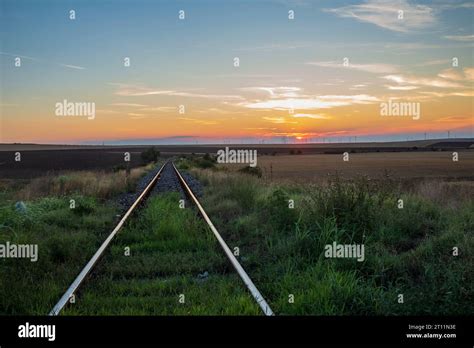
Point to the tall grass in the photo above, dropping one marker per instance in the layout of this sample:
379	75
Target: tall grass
99	184
407	251
66	239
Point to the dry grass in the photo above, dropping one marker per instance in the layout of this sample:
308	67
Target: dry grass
449	194
99	184
432	175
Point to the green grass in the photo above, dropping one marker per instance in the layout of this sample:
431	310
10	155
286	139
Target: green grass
169	249
66	239
407	251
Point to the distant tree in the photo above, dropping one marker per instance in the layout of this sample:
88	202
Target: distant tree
150	155
207	161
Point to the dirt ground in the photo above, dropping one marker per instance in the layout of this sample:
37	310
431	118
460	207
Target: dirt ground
398	165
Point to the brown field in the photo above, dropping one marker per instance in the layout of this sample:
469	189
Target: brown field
410	159
305	148
403	165
42	162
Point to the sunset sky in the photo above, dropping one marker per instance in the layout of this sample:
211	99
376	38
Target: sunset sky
291	86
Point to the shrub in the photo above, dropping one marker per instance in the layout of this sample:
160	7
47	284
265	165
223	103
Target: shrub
204	163
257	171
150	155
352	204
84	205
276	206
119	167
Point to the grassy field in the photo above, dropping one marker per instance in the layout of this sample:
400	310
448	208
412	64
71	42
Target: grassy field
408	251
66	237
172	253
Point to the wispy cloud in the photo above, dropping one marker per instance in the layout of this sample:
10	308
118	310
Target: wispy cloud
358	87
275	47
247	76
19	55
435	62
128	105
409	46
451	74
292	98
144	107
199	121
219	111
76	67
384	13
106	112
469	73
309	103
128	90
372	68
466	93
401	88
136	116
275	92
422	81
454	118
453	5
72	66
278	120
160	109
313	116
463	38
448	78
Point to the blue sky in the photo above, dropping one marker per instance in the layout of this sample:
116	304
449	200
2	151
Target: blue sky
189	62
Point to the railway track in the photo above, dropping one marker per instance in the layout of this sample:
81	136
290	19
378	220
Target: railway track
81	277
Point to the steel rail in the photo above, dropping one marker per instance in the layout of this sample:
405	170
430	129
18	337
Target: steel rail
246	279
85	271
